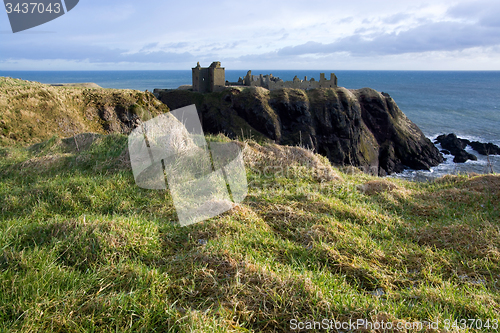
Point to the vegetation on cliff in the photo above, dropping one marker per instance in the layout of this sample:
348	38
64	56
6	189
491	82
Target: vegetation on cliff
32	112
361	127
84	249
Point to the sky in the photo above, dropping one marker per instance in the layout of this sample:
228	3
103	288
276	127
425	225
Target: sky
261	34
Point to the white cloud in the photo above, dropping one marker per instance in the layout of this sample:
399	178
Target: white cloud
276	34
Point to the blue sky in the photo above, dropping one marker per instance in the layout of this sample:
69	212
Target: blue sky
316	34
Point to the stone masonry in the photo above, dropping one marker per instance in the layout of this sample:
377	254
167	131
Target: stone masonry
213	78
209	79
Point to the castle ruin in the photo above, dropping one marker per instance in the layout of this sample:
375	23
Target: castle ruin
209	79
213	79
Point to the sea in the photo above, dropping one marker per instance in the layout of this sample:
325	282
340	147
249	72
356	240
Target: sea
466	103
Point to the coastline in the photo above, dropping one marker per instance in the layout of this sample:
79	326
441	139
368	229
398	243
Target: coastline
482	166
77	85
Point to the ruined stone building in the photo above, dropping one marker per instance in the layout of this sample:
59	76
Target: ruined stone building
213	78
209	79
270	82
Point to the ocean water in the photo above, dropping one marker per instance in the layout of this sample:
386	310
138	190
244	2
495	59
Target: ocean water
466	103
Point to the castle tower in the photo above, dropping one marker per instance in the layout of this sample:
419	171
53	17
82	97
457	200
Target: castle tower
200	79
209	79
333	79
217	76
248	79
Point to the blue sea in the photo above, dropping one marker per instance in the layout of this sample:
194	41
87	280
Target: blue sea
463	102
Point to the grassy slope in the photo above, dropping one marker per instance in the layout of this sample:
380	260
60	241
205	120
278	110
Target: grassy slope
83	249
32	112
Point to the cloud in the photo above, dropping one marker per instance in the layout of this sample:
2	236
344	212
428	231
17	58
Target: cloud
225	46
299	34
178	45
149	46
436	36
94	54
347	20
285	36
485	13
396	18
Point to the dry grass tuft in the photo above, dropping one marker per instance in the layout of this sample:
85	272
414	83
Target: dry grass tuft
123	161
288	161
289	222
486	183
377	186
243	213
461	238
351	170
43	163
247	293
78	143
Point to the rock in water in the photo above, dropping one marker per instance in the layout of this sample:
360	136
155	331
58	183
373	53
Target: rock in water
452	143
462	156
485	148
363	128
456	147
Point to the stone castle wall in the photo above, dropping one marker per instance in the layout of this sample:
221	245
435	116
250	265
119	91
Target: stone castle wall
213	79
270	82
217	76
209	79
305	84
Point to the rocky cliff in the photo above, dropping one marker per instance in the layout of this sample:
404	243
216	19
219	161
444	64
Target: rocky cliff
361	127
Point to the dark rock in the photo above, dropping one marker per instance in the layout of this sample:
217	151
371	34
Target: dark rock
485	148
440	138
465	142
363	128
455	146
451	143
462	156
446	152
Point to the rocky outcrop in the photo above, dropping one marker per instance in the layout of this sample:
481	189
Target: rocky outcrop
456	146
362	127
485	148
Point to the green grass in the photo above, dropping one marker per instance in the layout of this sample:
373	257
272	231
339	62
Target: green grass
82	249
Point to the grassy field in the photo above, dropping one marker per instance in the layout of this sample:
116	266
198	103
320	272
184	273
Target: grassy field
82	249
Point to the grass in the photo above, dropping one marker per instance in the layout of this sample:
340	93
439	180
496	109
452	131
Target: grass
83	249
31	112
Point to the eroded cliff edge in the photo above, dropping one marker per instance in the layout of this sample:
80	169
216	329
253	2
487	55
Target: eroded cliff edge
363	127
31	112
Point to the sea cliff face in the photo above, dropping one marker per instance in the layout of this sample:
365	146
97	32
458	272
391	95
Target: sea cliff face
364	128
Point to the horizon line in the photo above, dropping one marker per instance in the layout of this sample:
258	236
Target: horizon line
326	70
